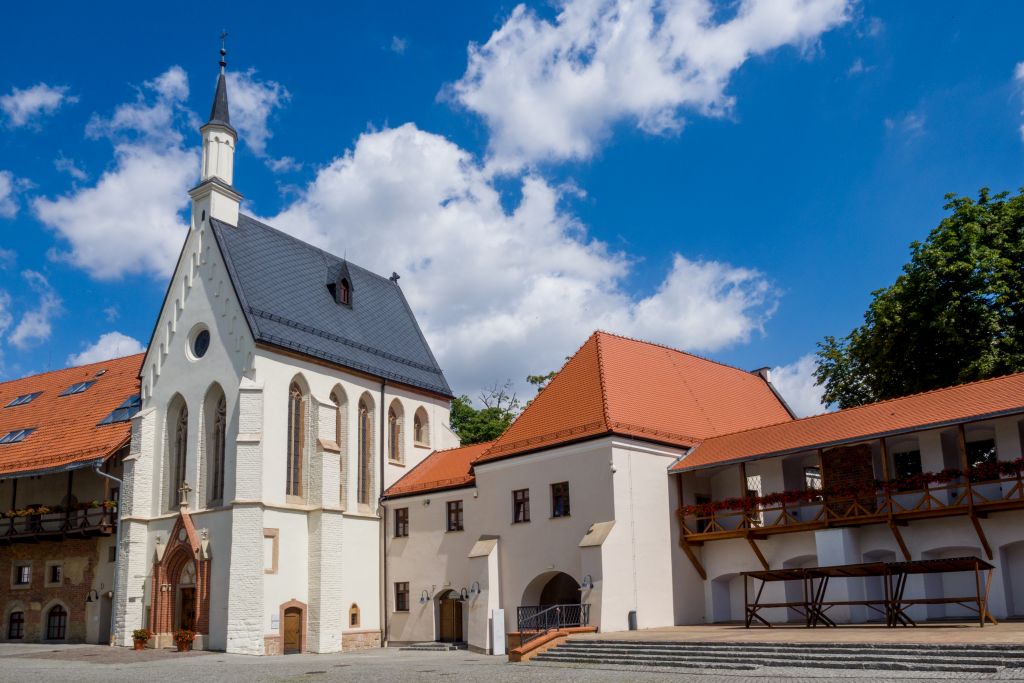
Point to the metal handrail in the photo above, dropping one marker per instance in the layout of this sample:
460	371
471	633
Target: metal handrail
533	621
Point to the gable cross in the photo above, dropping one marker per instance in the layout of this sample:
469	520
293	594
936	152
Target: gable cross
183	492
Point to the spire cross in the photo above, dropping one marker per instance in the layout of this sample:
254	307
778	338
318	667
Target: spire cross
223	50
183	492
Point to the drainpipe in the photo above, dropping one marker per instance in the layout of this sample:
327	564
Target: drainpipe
117	552
383	529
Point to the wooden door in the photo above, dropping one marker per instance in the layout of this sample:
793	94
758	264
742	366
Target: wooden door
292	628
187	614
451	620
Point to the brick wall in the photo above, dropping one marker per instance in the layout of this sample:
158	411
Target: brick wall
849	465
79	559
360	640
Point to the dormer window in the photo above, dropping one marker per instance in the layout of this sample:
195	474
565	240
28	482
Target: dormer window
76	388
344	292
23	399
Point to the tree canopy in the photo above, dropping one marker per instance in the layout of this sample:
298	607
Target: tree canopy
955	314
475	425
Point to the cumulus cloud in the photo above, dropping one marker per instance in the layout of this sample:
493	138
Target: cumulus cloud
796	384
137	204
65	165
551	90
498	289
24	107
109	345
252	102
35	325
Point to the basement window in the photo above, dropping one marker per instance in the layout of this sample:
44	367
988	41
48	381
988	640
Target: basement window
23	399
76	388
17	436
124	412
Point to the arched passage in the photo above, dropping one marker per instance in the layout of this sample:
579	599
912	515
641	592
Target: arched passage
552	588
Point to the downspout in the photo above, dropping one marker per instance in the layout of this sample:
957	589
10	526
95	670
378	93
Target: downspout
117	553
383	530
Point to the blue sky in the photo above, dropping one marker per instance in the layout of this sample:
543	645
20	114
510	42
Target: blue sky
720	178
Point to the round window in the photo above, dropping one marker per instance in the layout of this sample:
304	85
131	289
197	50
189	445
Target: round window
201	343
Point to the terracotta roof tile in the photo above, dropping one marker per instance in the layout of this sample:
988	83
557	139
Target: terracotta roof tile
66	427
445	469
909	413
616	385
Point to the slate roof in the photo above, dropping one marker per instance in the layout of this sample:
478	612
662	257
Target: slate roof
617	385
219	111
67	431
281	283
931	409
439	471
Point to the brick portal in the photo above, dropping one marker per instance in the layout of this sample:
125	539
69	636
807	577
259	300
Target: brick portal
184	551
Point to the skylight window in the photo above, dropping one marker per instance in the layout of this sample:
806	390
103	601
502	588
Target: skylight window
123	412
76	388
16	436
23	399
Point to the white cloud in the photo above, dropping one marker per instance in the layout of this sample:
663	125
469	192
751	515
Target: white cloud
858	67
137	204
909	125
796	384
283	165
65	165
1018	76
111	313
503	293
552	90
35	325
23	106
109	345
8	205
5	311
7	259
398	45
252	102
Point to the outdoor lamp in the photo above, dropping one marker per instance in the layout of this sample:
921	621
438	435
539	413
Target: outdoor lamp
474	589
464	594
587	583
92	596
424	598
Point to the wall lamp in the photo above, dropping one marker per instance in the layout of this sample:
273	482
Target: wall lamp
464	594
474	589
92	596
424	597
587	583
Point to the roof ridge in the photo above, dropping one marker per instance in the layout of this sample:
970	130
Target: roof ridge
674	349
71	367
847	411
600	378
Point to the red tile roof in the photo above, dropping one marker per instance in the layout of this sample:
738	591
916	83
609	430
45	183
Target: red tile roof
440	470
977	400
67	432
616	385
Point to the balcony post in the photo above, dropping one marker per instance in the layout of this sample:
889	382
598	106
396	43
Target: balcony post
743	494
965	465
67	506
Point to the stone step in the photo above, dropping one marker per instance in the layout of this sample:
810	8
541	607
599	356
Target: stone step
1007	656
433	647
844	659
749	663
860	647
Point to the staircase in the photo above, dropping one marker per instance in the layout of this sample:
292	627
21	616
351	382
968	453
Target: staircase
953	658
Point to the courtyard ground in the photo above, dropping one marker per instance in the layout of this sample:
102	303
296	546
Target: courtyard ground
100	664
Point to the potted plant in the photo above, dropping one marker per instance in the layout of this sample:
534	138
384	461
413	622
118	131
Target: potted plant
183	639
140	637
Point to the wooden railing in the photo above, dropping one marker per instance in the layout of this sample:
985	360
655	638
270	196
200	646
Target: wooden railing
933	500
88	522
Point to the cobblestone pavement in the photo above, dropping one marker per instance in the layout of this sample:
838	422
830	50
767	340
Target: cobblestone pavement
94	663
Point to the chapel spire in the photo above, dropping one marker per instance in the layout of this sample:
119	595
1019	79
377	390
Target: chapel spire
215	197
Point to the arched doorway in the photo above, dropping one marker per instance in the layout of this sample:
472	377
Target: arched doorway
449	617
185	607
181	580
561	589
291	631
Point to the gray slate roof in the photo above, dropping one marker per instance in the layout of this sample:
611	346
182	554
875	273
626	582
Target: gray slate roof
219	111
281	284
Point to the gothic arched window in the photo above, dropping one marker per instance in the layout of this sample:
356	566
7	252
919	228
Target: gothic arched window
296	417
420	428
394	435
365	453
56	623
216	451
179	454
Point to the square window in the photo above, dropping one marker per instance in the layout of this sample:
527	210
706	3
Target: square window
54	574
812	478
455	515
520	506
22	574
402	596
401	522
560	499
906	465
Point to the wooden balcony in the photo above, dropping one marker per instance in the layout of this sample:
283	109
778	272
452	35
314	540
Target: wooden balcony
99	521
887	506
